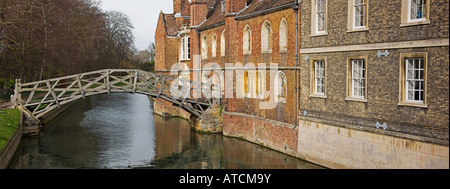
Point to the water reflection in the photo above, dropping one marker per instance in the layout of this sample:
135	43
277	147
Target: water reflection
120	131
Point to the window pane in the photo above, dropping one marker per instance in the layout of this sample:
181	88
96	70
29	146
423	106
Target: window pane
418	9
358	78
410	95
414	79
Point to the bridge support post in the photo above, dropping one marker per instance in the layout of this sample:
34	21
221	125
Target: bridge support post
30	125
211	122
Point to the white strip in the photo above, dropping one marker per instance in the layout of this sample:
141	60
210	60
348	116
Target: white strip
379	46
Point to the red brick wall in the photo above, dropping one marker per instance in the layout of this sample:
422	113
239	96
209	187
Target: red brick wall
276	135
160	46
284	112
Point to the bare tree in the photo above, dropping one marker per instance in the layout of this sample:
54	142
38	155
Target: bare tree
41	39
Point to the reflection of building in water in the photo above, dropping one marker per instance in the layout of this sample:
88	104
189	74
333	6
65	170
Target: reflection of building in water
182	149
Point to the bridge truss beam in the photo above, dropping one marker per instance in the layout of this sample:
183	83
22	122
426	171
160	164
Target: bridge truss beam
40	97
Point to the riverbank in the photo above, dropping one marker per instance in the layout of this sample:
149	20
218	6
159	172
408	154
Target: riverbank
10	135
9	121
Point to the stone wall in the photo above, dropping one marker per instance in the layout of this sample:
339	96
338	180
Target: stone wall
385	32
339	147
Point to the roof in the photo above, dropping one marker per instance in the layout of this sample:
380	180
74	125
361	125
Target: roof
215	16
170	23
257	6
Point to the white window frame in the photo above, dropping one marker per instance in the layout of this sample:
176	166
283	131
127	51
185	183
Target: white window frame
319	66
266	37
214	46
278	92
204	48
358	81
424	17
222	44
364	16
419	78
247	40
283	35
316	20
223	6
185	50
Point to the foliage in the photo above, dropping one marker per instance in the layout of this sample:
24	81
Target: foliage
41	39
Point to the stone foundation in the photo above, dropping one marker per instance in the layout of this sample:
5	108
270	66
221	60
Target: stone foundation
339	147
211	122
167	109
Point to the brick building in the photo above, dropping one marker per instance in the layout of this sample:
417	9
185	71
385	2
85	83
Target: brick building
367	64
372	76
239	32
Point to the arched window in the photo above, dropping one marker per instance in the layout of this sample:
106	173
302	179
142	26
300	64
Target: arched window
280	87
266	37
246	84
204	47
222	44
247	41
259	84
283	35
214	46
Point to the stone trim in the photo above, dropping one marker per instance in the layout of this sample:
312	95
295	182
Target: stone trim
379	46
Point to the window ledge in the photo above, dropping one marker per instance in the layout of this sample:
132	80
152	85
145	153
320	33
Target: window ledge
283	51
412	23
356	99
317	96
319	34
419	105
358	30
267	51
247	53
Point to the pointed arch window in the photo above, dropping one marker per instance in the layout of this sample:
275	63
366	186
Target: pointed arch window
247	40
259	84
222	44
214	46
283	35
246	84
204	47
280	87
266	37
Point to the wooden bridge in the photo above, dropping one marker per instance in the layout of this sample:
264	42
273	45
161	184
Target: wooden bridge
40	97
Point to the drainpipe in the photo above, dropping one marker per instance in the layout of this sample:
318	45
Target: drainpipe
295	6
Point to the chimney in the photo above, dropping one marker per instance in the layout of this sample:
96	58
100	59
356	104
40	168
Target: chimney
199	12
177	6
235	6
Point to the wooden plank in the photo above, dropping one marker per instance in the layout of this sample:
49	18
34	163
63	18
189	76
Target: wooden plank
161	85
31	94
108	85
53	92
135	81
81	87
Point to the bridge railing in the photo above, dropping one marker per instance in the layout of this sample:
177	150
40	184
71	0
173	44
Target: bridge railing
40	97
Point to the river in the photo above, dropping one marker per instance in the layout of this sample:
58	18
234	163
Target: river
120	131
